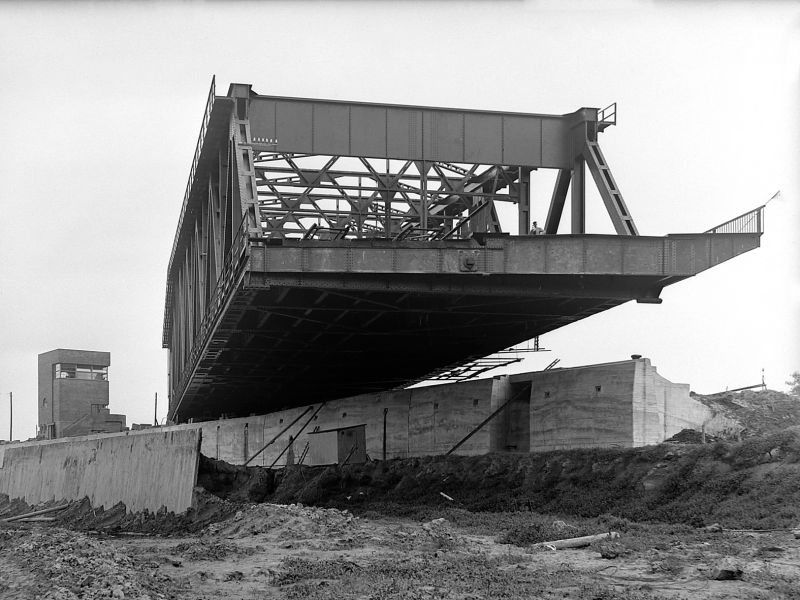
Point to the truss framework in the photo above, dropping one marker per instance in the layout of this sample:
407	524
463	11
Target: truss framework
335	197
297	194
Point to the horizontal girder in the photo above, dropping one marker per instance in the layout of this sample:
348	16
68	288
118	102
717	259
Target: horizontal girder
311	319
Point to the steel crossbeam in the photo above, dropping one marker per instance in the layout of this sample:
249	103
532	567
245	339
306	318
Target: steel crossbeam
376	198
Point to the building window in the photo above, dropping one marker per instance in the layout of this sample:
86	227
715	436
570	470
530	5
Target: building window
547	394
475	402
89	372
65	371
44	402
598	388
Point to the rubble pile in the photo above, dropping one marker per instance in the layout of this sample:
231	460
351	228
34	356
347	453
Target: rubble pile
293	526
206	509
760	412
9	507
68	565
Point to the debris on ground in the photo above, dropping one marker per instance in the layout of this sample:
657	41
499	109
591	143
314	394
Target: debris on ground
726	570
759	412
715	520
578	542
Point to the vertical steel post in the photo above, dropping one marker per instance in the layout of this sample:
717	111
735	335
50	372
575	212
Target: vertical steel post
10	416
247	439
524	201
388	206
155	412
385	411
578	196
423	222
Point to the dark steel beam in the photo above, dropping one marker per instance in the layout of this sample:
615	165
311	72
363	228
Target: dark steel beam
578	200
557	202
298	125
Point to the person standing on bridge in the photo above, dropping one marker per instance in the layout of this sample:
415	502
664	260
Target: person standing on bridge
535	229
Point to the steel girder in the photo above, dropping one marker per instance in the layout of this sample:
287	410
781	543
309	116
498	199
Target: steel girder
330	248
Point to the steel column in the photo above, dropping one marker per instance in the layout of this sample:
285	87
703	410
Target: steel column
578	196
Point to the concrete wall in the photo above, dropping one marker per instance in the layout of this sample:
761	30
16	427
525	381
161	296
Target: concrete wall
619	404
145	470
510	429
582	407
420	421
663	408
680	410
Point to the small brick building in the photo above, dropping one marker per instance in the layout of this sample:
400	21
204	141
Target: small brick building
73	394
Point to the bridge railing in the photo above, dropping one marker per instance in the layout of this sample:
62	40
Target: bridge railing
197	150
608	115
192	172
201	138
234	263
750	222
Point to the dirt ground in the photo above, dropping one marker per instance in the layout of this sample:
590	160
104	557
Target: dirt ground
695	521
292	551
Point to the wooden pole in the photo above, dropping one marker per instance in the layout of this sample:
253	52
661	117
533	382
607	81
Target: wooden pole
487	419
155	412
10	416
349	454
296	435
36	513
284	430
578	542
385	410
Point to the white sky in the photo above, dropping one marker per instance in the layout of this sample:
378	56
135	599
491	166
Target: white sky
100	107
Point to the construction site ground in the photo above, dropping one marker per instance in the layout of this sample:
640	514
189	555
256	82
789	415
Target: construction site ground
695	520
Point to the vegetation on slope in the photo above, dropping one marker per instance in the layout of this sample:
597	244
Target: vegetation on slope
750	484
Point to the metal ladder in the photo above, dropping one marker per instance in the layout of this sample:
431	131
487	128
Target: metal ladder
612	197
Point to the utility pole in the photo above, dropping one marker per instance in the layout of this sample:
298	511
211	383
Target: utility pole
155	412
10	416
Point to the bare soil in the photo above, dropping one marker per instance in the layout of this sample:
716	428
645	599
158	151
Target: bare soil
688	515
291	551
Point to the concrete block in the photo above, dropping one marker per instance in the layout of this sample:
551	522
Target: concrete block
145	469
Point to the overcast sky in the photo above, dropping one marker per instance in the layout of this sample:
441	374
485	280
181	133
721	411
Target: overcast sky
101	105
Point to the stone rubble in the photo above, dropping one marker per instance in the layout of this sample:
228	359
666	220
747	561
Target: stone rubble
69	565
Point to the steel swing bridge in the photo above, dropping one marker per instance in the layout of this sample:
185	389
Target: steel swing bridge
327	249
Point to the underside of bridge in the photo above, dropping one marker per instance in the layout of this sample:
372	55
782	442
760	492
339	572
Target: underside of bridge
327	249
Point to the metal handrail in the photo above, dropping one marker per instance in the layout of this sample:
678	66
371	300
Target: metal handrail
750	222
192	172
197	150
608	115
234	261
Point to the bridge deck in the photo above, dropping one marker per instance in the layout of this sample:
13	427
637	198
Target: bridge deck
308	320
